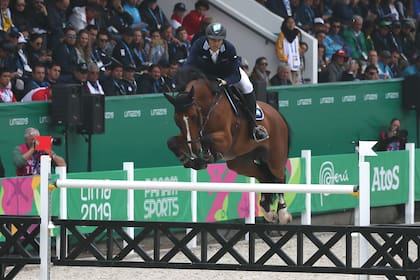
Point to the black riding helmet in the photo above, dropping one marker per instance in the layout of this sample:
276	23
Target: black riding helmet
216	31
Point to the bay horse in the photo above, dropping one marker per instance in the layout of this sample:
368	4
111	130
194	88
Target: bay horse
211	130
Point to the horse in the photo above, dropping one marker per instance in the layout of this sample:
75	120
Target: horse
212	130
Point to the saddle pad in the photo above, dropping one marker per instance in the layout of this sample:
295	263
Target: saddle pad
259	113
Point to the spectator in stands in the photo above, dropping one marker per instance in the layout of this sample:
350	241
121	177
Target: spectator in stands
336	68
260	71
368	28
282	77
393	138
118	19
355	39
57	21
6	93
396	37
81	17
177	15
129	80
245	65
192	21
122	52
322	65
281	8
352	71
412	69
140	57
37	80
343	10
395	65
153	15
66	55
93	33
27	158
287	47
305	15
37	12
93	86
371	72
131	7
151	82
410	40
20	57
53	74
164	70
80	74
170	76
36	54
385	72
113	85
319	26
179	49
334	41
20	17
157	49
381	37
206	22
393	9
101	52
83	48
6	21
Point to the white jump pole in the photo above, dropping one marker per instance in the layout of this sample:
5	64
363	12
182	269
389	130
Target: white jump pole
206	187
306	217
62	172
44	232
194	208
251	200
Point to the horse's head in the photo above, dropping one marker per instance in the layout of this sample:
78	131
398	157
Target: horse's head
188	145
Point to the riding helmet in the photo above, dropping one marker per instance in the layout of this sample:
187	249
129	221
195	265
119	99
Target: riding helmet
216	31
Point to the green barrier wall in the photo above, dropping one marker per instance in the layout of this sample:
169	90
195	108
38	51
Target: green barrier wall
324	118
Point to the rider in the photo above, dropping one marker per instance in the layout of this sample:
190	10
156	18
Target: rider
217	57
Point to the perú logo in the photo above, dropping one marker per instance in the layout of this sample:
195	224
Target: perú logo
328	176
386	179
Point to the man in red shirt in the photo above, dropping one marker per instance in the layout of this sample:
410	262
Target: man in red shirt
192	21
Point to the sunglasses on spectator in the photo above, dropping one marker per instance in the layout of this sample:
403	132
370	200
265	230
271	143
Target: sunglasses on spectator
263	63
71	36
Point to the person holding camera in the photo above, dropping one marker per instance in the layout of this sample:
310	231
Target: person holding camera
393	139
27	158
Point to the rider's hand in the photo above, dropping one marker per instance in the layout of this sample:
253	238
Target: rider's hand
221	82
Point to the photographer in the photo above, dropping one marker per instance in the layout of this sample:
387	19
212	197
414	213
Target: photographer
393	139
27	159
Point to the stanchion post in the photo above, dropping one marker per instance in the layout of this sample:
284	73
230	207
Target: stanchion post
129	168
306	217
410	205
194	215
62	173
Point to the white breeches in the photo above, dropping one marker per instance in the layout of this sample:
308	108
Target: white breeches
244	85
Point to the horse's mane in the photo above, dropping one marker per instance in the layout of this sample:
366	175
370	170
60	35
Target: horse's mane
187	74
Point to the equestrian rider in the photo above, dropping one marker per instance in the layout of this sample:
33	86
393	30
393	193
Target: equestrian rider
217	57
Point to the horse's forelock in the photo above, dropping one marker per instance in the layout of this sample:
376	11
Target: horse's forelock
187	74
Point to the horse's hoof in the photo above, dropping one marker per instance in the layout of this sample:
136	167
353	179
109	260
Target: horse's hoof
284	216
270	216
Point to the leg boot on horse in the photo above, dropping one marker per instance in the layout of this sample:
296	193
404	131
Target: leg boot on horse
259	133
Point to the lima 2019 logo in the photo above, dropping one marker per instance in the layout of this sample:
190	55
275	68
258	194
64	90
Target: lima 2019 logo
328	176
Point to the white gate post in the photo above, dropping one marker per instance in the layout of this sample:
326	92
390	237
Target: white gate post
44	232
62	172
129	168
194	214
306	214
409	206
365	149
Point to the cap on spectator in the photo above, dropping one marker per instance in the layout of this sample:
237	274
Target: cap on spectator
180	7
318	20
385	54
202	3
82	67
341	53
384	23
129	67
21	39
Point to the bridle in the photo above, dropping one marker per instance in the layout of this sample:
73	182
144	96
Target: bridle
201	122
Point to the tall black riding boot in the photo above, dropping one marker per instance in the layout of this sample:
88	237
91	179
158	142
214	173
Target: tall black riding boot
259	133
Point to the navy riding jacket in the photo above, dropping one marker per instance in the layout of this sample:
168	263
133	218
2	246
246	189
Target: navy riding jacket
226	66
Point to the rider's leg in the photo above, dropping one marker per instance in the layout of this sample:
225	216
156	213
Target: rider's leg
258	132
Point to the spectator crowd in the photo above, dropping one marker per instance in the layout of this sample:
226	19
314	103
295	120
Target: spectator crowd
125	47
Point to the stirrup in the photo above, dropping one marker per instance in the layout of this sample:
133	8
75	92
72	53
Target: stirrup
261	132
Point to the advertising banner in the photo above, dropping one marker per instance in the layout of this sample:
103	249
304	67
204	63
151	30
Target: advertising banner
156	205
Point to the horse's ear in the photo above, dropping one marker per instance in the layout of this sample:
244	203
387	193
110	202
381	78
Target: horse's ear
170	98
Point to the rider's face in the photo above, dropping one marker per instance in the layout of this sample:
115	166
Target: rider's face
215	44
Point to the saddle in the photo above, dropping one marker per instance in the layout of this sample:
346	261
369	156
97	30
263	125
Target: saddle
235	101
